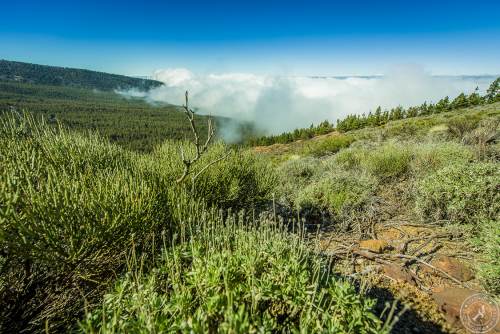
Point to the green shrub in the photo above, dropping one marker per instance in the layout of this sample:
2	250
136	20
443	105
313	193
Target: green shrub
295	175
459	127
240	179
68	199
430	157
461	193
341	194
235	279
488	241
330	145
384	162
349	158
387	162
71	207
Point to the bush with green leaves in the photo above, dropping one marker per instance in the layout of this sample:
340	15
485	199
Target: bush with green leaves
295	175
223	177
459	127
234	277
429	157
384	162
460	193
488	241
72	205
342	194
326	146
68	200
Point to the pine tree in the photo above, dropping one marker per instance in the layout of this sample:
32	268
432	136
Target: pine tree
493	92
460	101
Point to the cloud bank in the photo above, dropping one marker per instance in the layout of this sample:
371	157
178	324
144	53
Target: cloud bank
280	103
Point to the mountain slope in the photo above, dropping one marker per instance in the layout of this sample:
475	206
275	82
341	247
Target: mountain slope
61	76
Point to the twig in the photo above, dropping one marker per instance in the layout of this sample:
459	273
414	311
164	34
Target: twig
200	148
416	259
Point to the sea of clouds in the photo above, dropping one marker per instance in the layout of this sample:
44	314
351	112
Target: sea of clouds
281	103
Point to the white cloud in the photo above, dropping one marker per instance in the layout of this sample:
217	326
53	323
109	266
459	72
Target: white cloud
278	104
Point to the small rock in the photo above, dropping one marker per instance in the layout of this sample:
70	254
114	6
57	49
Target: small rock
398	273
452	267
374	245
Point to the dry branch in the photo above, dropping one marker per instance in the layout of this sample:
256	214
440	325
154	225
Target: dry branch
200	148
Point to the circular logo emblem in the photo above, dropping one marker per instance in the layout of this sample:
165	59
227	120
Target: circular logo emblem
479	313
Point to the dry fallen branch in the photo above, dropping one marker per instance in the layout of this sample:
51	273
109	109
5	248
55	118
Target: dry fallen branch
427	240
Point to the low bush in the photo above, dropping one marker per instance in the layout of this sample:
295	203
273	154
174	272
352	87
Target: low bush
429	157
349	159
342	194
326	146
488	241
459	127
460	193
387	162
232	278
383	162
235	180
295	175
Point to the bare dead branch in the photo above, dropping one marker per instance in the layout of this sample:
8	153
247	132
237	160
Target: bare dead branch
200	148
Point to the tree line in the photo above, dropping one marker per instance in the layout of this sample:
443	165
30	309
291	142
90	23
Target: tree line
381	117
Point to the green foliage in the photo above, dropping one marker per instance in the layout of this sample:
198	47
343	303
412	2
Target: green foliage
295	175
328	145
342	194
387	162
459	127
429	157
383	162
231	278
131	123
68	200
488	241
460	193
288	137
72	206
60	76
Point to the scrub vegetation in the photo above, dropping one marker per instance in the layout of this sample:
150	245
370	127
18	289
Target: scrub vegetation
188	237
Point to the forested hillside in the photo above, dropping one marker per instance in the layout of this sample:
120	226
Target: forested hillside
380	117
131	123
62	76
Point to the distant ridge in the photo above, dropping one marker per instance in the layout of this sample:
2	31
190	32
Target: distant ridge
62	76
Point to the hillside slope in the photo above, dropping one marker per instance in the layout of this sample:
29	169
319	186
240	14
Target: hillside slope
411	206
62	76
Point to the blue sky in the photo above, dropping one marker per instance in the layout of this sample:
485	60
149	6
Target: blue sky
266	37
